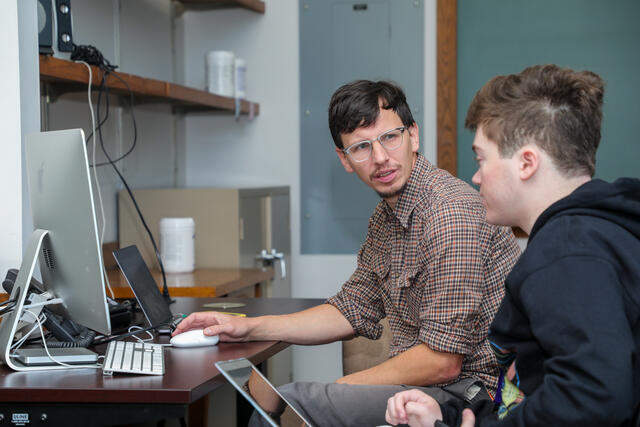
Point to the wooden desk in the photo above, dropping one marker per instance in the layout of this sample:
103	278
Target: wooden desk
202	283
82	397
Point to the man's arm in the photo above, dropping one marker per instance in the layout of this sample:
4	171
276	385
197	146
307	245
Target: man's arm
317	325
418	366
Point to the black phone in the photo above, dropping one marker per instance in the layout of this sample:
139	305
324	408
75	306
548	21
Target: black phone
67	332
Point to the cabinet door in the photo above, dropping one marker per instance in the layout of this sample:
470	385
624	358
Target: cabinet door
340	42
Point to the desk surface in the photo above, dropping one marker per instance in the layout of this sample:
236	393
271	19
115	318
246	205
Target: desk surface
201	283
190	372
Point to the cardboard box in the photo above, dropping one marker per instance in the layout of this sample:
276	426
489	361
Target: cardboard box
214	210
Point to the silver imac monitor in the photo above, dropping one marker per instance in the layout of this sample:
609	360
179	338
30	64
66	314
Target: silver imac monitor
65	238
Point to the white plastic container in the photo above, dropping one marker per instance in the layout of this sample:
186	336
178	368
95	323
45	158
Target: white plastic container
219	72
239	77
177	244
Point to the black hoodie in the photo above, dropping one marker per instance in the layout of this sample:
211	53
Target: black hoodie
571	311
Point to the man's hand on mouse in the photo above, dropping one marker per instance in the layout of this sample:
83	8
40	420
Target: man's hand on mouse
227	327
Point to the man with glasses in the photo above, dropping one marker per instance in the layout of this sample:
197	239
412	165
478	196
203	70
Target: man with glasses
430	264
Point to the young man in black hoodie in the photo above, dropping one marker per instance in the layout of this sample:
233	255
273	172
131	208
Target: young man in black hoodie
570	315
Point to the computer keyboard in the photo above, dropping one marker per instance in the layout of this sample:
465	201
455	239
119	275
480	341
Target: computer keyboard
132	357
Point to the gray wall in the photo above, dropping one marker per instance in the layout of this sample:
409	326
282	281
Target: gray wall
336	205
505	36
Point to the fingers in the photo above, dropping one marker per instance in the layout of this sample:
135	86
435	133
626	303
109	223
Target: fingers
395	413
198	320
392	418
422	414
468	418
412	407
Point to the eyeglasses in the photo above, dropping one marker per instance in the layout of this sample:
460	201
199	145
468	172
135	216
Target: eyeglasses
390	140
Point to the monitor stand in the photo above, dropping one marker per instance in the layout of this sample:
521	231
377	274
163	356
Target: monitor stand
9	324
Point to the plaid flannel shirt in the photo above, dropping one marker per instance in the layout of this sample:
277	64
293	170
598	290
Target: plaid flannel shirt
435	268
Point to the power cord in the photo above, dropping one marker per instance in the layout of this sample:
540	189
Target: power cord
91	55
95	173
104	88
105	340
46	347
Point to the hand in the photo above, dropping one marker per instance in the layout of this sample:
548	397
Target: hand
413	407
468	418
228	328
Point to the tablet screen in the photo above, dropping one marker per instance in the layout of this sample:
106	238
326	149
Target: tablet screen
262	395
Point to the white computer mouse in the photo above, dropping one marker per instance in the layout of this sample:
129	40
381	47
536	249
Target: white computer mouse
193	338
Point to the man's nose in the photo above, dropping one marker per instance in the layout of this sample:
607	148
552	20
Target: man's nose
476	178
378	152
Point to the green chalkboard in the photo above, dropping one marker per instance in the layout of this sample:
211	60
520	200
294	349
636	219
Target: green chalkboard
505	36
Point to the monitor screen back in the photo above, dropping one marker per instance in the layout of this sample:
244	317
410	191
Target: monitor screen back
62	202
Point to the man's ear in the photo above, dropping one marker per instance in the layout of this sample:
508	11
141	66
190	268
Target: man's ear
344	160
414	137
528	161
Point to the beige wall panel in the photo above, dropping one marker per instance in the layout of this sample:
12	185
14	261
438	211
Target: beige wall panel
214	210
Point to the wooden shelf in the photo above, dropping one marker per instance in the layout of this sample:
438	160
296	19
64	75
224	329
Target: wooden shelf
253	5
67	76
202	283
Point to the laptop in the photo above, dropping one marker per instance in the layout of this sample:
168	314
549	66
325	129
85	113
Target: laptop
155	308
262	395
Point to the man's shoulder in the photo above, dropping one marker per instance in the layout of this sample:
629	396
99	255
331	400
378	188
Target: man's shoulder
441	190
578	238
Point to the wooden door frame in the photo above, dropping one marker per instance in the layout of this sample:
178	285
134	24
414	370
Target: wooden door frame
447	92
447	85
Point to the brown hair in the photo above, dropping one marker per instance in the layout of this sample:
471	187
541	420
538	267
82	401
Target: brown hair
558	109
357	104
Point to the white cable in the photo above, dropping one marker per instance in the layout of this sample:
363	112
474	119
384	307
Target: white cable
21	341
46	348
95	172
47	302
134	327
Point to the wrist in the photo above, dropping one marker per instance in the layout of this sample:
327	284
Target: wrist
258	329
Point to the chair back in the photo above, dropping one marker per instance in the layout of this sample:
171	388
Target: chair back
362	353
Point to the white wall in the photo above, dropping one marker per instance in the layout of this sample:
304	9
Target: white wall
114	27
10	172
221	152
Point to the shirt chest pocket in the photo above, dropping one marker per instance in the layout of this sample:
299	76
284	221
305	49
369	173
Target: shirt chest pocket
401	289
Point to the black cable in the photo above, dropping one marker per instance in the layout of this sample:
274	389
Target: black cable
104	88
133	117
10	301
8	309
91	55
84	339
128	334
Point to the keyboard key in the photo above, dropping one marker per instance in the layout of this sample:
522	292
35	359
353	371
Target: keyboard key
134	358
